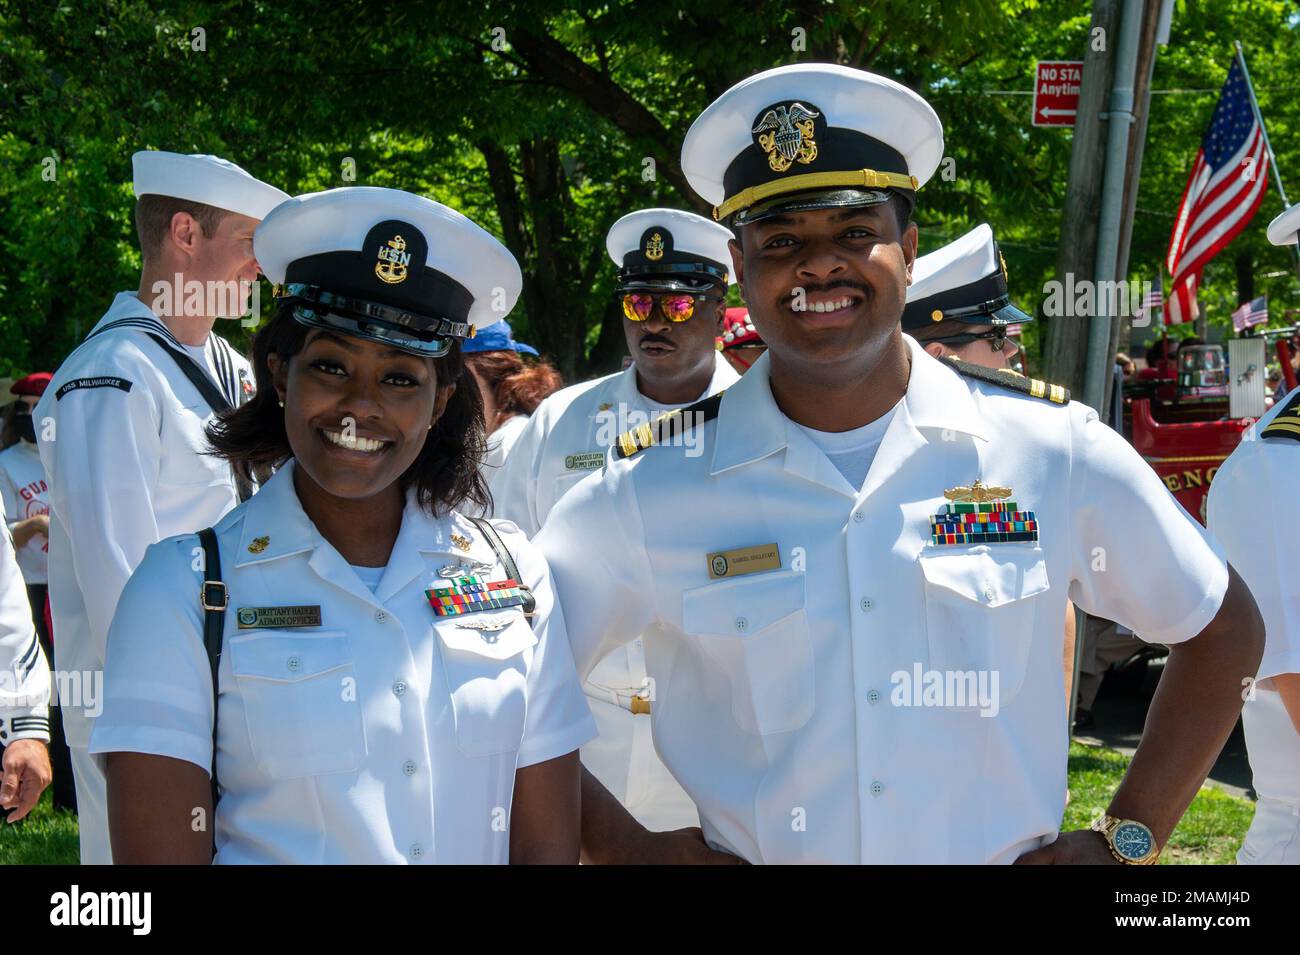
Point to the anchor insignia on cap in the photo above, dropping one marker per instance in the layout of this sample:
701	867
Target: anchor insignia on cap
393	261
654	247
790	138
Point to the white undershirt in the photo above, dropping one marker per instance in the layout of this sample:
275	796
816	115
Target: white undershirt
370	576
852	451
200	355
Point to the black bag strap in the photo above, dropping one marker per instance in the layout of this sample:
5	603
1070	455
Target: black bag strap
508	561
214	600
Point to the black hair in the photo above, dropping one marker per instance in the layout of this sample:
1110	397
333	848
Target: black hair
445	474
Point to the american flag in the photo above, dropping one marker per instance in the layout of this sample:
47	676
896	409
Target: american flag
1254	312
1223	191
1153	301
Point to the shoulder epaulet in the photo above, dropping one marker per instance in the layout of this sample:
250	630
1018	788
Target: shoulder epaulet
677	421
1006	378
1287	422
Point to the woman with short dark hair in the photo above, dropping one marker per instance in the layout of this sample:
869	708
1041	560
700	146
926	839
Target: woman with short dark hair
395	682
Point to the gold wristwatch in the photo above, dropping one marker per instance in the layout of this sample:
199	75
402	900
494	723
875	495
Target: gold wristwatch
1128	840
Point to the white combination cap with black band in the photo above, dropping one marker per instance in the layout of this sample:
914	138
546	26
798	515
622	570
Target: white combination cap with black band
810	136
670	251
965	281
387	266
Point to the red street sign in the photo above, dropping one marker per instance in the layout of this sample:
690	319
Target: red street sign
1056	92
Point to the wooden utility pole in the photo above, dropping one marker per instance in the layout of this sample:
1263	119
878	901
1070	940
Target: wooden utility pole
1065	344
1133	171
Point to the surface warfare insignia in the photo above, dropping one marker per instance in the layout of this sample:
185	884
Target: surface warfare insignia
259	544
654	247
464	568
785	133
393	261
278	618
982	514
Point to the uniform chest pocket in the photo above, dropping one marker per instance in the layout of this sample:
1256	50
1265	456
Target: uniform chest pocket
485	659
300	701
980	617
755	629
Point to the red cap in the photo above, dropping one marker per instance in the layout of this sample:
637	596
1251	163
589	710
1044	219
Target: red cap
738	330
33	384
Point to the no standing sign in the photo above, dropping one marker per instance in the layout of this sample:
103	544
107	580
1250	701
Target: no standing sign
1056	92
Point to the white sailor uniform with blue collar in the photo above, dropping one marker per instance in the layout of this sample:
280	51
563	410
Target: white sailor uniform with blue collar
24	672
121	436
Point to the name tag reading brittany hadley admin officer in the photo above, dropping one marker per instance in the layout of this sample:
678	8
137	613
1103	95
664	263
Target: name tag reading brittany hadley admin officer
744	560
278	618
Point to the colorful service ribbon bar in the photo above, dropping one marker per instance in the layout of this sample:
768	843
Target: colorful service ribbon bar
471	594
998	522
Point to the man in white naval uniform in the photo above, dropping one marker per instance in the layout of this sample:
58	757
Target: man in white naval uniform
1258	475
120	426
672	285
851	601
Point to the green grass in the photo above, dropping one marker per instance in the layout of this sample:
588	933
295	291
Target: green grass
45	837
1210	833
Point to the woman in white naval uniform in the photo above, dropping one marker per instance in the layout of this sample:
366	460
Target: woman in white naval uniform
368	712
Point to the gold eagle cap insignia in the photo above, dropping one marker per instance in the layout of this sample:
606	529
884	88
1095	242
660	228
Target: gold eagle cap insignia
977	493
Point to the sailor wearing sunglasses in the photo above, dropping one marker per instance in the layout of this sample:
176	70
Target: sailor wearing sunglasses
957	304
672	284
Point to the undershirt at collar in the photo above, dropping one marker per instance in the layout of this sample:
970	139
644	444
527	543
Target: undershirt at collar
852	451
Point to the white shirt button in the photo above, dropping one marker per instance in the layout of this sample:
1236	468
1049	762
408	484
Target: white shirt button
873	697
409	767
742	624
877	787
865	603
294	664
417	850
988	594
381	616
399	688
859	517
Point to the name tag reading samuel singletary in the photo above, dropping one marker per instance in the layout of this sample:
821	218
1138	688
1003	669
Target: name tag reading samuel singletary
744	560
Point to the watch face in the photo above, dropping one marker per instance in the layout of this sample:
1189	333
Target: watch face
1133	841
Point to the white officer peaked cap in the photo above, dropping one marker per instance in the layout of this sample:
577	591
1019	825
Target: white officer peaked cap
669	249
835	135
1283	229
965	280
387	265
210	180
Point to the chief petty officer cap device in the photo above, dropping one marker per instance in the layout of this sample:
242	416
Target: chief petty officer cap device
667	250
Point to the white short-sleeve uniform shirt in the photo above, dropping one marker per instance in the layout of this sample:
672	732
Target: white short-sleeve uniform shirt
787	702
385	734
1255	479
121	436
566	439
